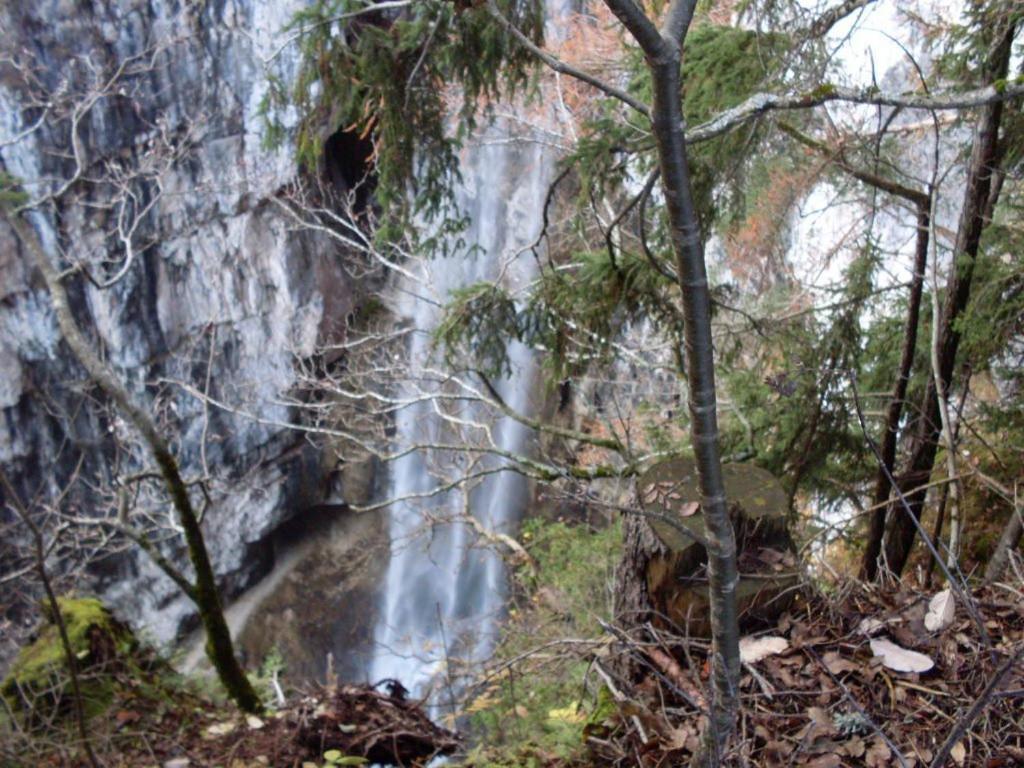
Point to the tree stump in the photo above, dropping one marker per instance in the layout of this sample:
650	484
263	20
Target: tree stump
662	577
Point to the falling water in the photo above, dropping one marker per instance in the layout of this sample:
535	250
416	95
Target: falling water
444	591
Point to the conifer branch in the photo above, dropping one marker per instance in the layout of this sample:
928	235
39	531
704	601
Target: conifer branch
837	156
763	103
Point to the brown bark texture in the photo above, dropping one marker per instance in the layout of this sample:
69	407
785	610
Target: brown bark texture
876	530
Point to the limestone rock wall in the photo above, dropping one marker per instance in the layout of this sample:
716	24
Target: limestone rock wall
223	292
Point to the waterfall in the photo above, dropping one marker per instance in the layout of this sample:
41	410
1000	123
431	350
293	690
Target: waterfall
444	591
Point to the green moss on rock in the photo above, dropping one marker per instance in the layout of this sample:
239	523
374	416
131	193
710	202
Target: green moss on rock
39	677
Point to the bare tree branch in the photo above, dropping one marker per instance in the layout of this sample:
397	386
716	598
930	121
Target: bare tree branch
561	67
824	23
220	647
764	103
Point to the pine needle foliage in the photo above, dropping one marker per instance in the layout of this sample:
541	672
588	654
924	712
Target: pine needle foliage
993	326
478	323
596	291
793	386
574	315
390	73
722	66
587	304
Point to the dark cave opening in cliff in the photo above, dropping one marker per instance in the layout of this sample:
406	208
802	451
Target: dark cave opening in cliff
347	170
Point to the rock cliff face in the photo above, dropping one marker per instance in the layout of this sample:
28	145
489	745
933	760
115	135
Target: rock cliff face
221	294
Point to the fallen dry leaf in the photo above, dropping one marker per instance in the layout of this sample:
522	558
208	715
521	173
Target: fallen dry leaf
854	746
825	761
877	755
753	649
958	753
900	659
924	754
836	664
819	716
126	717
219	729
941	610
689	509
675	739
820	725
870	626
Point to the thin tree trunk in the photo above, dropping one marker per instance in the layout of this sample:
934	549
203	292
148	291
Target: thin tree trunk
985	159
58	618
219	647
688	245
951	489
944	496
1009	541
803	460
890	434
876	529
663	51
940	521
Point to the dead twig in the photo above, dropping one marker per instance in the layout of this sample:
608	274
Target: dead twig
968	718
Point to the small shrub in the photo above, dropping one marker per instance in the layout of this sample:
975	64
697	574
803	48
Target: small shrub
538	709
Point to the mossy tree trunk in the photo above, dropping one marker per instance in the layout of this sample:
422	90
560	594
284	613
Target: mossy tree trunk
219	647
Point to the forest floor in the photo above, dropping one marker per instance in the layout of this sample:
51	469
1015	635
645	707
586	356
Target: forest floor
569	689
830	684
816	693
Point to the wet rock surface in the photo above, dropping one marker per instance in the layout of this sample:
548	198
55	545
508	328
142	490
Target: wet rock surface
323	604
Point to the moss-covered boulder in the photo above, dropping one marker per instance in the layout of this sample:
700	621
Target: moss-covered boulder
663	575
38	684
